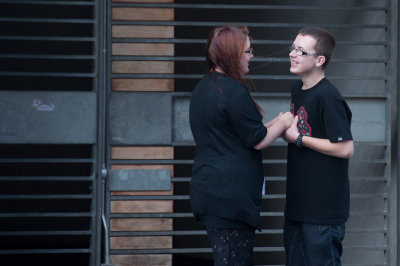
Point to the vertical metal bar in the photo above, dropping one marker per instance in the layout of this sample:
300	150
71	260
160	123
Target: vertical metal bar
96	231
397	137
106	133
106	245
101	76
395	10
388	81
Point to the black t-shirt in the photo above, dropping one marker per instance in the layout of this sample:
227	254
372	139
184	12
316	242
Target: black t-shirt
317	187
227	174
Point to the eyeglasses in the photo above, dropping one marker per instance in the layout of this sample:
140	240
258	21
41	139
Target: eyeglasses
250	51
300	52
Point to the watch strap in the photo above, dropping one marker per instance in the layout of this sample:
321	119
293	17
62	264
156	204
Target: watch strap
299	140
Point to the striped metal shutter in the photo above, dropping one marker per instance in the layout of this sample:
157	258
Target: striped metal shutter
50	210
156	57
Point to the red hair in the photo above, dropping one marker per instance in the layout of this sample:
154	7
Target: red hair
224	49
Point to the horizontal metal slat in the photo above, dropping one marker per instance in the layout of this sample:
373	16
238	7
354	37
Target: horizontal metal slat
250	6
184	250
39	214
189	94
272	95
369	196
46	178
368	213
46	160
376	161
48	38
44	233
361	178
174	215
43	251
366	230
270	161
48	20
381	264
156	58
258	41
284	95
45	196
38	2
49	74
207	250
270	77
263	214
382	248
256	59
158	251
49	56
181	197
183	233
249	24
150	215
283	178
203	232
264	161
277	95
267	196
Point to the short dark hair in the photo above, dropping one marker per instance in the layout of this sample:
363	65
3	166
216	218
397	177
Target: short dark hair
326	42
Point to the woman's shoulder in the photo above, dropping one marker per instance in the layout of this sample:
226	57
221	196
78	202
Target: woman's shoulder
231	86
229	89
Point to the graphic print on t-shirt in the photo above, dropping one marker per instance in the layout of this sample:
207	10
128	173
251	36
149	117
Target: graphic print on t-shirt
302	125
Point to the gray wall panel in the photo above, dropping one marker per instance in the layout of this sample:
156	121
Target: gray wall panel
47	117
369	119
181	125
139	180
368	122
272	106
140	118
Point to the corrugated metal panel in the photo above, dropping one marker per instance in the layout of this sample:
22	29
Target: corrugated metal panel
361	69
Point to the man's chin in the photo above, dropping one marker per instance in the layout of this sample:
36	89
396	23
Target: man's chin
293	70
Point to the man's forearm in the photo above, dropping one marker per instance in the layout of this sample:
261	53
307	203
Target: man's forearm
342	149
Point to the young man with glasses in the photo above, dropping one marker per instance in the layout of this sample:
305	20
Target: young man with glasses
320	145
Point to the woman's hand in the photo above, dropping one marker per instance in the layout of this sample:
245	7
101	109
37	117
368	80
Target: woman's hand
286	119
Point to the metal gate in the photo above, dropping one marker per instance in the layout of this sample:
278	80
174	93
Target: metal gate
157	56
50	132
67	121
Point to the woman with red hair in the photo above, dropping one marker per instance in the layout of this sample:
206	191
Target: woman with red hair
226	123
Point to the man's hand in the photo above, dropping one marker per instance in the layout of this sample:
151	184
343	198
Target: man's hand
290	135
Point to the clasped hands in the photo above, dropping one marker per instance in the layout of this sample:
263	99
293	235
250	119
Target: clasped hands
290	122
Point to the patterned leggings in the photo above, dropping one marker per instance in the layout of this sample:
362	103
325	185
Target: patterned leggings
232	247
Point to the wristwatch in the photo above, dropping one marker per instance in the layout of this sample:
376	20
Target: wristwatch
299	140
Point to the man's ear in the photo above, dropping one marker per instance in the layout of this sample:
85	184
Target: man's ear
320	60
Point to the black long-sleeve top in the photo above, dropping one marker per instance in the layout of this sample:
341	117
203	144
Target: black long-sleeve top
227	175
